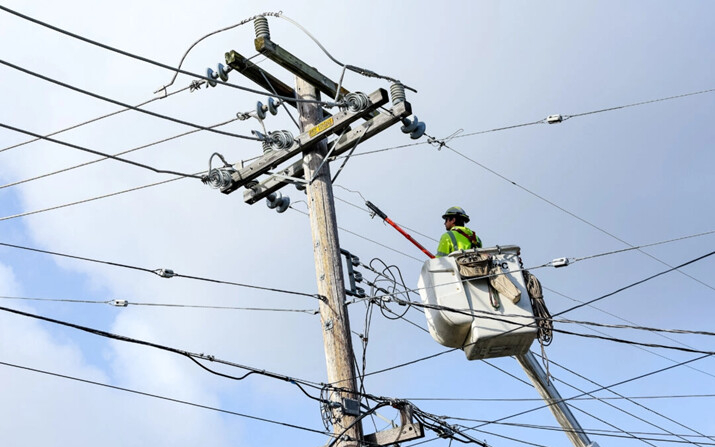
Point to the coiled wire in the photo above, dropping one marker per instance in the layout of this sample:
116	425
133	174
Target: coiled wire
544	323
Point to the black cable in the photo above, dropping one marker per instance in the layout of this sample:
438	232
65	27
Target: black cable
190	355
115	155
175	305
113	101
635	403
75	126
149	61
92	151
573	215
104	196
635	284
642	376
161	272
156	396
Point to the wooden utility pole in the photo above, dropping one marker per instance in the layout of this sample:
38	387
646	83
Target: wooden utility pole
329	271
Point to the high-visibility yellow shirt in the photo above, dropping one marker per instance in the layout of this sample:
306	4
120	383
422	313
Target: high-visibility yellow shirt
453	241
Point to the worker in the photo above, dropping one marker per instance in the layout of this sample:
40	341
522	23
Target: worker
457	237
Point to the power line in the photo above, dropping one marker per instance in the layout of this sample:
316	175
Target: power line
75	126
156	396
113	101
639	405
642	376
125	303
114	155
152	62
631	322
534	399
572	214
165	273
635	284
92	151
44	210
194	357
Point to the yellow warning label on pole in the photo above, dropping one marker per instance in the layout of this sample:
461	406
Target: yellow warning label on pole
327	124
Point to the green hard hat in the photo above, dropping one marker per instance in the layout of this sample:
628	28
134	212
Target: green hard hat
456	211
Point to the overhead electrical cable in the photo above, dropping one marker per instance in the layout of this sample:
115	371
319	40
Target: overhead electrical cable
572	214
635	284
165	273
622	382
630	435
194	357
75	126
156	396
191	47
641	436
152	62
125	303
92	151
639	405
113	155
119	103
535	399
65	205
650	351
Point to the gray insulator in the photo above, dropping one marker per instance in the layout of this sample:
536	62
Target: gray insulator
222	73
409	126
397	92
220	178
357	101
260	24
211	75
415	128
267	147
417	133
260	110
273	106
277	201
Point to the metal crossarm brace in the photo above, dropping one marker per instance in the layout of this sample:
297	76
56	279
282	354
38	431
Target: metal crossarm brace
285	59
270	83
305	140
362	133
407	431
256	73
296	66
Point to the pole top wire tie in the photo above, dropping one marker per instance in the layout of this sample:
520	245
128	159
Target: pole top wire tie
439	144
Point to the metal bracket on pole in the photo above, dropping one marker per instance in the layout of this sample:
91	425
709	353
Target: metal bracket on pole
304	141
556	403
361	133
407	430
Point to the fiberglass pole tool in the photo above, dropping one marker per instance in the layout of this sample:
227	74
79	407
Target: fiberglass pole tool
384	217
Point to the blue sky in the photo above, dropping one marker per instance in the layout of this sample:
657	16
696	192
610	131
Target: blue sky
641	174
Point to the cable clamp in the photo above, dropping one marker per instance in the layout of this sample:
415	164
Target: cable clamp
165	273
560	262
553	119
118	303
195	85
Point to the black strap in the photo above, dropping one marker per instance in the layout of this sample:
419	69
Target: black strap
471	238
